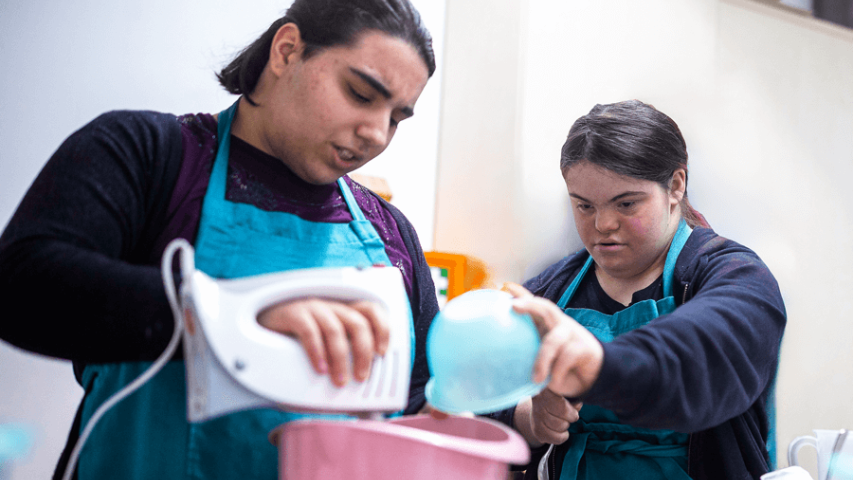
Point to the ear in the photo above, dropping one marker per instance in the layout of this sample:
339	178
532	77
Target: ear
287	46
677	186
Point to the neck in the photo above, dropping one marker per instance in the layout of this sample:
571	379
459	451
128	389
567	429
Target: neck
621	286
246	125
622	289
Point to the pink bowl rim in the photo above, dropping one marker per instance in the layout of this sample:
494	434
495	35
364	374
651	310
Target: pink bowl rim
512	450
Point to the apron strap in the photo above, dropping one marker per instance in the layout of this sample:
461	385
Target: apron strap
570	292
678	241
354	209
220	164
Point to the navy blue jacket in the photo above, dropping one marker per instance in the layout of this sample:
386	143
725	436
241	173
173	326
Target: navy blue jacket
706	369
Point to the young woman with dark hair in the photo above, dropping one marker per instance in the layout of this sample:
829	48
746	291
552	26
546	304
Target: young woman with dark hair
258	188
660	338
327	23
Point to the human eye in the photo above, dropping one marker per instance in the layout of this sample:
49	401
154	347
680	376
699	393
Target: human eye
629	206
583	207
358	96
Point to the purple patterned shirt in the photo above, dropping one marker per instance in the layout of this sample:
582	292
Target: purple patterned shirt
262	180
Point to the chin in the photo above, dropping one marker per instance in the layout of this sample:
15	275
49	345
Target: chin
321	178
612	266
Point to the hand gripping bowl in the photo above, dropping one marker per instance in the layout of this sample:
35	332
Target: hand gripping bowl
481	354
415	447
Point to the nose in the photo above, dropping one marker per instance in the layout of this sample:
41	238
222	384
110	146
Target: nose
606	221
374	129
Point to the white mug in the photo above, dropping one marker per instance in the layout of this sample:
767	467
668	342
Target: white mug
790	473
827	442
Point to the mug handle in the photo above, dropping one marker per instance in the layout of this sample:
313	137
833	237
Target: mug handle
796	444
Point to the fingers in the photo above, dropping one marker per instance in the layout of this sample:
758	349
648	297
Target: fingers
344	332
558	407
338	337
551	417
554	424
548	427
568	352
550	321
576	406
545	314
516	290
577	357
554	437
433	412
553	350
377	318
297	319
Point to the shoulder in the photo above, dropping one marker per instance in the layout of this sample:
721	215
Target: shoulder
375	207
555	279
126	135
201	127
135	122
711	259
134	139
704	244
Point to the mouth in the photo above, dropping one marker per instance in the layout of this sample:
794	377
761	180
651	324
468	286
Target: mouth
608	246
348	156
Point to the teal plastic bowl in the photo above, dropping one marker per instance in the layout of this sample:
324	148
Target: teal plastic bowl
481	354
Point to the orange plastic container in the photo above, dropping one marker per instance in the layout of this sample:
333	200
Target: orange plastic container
417	448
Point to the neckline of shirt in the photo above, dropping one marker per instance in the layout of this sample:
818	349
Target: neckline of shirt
278	177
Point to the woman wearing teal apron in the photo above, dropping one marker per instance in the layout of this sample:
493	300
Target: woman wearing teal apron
321	94
600	446
660	338
234	240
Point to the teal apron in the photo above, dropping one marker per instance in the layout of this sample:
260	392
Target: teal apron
147	435
600	446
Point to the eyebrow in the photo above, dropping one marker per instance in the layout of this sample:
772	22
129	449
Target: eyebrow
614	199
381	88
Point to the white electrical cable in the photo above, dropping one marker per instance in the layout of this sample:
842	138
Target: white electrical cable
187	267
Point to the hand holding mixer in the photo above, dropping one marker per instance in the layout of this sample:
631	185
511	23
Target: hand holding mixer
234	363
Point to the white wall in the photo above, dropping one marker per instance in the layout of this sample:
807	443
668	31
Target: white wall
66	62
764	98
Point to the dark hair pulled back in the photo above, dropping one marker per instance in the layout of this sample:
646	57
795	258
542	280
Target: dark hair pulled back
634	139
329	23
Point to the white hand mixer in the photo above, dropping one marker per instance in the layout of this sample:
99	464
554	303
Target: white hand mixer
233	363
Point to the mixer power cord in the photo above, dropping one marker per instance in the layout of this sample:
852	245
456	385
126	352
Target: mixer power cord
187	265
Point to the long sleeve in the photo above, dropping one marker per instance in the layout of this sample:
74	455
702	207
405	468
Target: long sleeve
72	280
424	309
708	361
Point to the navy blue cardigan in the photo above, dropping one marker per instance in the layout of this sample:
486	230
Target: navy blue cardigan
706	369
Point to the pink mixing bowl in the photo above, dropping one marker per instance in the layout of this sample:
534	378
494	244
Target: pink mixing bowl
417	448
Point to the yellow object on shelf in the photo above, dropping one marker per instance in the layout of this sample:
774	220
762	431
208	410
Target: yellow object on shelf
454	274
